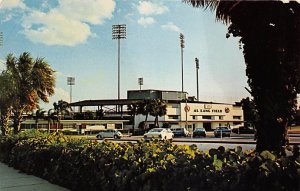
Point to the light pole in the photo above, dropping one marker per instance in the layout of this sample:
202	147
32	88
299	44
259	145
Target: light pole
197	70
71	82
140	81
1	38
181	37
119	32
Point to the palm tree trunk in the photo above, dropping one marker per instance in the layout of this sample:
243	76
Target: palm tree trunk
133	123
5	122
17	121
49	125
156	121
145	122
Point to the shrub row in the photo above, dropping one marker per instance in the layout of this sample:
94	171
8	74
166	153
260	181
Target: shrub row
84	165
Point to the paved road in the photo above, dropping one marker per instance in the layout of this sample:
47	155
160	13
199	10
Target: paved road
13	180
205	143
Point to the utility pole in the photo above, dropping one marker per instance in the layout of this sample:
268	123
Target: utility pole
181	37
119	32
197	70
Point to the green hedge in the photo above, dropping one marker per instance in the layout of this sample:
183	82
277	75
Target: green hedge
84	165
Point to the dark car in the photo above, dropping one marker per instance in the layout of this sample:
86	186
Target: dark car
222	132
243	130
199	132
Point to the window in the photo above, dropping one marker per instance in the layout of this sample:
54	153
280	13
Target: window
173	116
237	117
221	117
194	117
206	117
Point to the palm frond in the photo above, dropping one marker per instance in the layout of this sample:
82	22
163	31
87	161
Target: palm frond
223	8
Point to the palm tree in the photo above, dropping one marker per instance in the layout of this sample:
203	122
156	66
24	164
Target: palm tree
33	80
61	108
158	109
6	93
133	111
39	114
269	35
144	107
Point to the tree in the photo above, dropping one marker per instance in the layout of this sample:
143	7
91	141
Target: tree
33	80
39	114
158	108
61	108
250	113
133	111
143	109
6	93
269	35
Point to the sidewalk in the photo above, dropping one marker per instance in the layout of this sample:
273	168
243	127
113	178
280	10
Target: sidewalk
13	180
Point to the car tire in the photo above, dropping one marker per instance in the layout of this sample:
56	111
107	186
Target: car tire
115	136
99	137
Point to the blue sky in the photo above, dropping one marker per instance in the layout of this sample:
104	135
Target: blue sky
74	36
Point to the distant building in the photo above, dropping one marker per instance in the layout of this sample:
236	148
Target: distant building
182	112
156	94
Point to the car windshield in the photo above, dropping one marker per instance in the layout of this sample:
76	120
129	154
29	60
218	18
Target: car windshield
199	129
155	130
222	128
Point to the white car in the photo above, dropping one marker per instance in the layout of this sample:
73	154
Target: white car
159	133
109	133
180	131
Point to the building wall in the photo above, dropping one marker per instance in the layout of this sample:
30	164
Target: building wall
156	94
207	115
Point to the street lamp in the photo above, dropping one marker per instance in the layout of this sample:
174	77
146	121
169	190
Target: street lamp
197	70
181	37
119	32
71	82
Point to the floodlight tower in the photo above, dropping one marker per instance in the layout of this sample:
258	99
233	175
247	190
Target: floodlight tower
181	37
71	82
197	70
119	32
140	81
1	38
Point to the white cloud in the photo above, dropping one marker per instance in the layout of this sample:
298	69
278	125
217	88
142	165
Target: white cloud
7	17
60	94
11	4
91	11
55	29
2	65
172	27
287	1
146	21
149	8
68	23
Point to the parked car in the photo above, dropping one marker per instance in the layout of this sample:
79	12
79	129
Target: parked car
180	131
109	133
159	133
243	130
222	132
199	132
